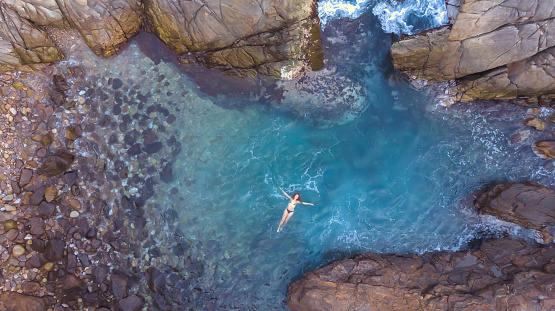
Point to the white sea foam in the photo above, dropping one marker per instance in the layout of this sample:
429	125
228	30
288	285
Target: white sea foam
398	17
331	9
410	16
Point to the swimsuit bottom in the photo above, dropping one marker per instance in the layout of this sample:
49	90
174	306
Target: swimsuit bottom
288	211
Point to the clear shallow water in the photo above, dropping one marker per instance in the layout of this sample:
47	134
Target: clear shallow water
392	181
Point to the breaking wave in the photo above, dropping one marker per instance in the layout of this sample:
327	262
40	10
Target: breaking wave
399	17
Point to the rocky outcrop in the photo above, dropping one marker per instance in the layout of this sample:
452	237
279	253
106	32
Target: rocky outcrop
242	35
528	204
495	49
104	25
22	43
278	38
503	274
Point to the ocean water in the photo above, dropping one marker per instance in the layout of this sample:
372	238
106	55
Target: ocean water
398	17
397	178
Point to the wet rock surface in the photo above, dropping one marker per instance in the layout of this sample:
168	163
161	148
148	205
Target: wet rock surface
495	50
501	274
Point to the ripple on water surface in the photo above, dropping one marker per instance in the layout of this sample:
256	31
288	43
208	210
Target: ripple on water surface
390	181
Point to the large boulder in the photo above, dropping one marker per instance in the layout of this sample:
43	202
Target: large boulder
40	12
23	43
504	274
104	25
243	36
12	301
528	204
494	49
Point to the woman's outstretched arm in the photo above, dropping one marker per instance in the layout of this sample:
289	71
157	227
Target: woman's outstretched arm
306	203
285	193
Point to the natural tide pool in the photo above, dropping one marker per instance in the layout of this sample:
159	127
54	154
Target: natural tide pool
395	179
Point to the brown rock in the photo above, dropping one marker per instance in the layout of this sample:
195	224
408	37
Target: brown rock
61	83
57	163
50	193
25	177
23	43
478	17
12	234
43	12
545	149
30	287
433	281
37	197
535	123
35	225
12	301
9	225
70	281
46	140
46	210
491	48
275	39
70	134
529	204
106	25
57	97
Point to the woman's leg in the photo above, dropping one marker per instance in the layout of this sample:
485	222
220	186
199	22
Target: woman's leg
287	218
282	219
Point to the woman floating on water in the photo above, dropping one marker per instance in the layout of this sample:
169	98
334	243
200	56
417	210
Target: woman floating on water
294	199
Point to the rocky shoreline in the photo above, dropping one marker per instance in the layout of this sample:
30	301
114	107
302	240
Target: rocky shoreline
87	154
495	50
276	38
495	274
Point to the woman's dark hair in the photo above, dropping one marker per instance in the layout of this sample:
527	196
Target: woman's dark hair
296	193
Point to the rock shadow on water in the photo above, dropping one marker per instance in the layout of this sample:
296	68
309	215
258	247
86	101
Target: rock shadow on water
324	98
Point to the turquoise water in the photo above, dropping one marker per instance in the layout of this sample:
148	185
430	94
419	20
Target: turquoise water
395	179
392	180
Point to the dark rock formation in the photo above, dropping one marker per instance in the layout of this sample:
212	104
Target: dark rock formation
503	274
278	38
496	50
529	204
